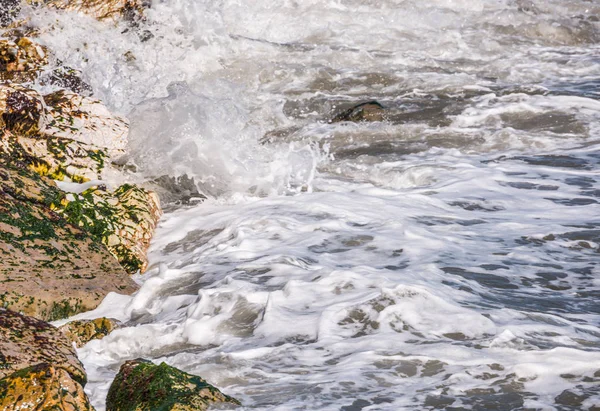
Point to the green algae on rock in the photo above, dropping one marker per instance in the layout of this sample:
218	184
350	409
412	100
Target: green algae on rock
26	341
66	136
123	220
81	332
42	387
49	268
143	386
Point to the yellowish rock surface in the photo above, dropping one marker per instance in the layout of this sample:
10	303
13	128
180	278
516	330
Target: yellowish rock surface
27	341
42	387
83	331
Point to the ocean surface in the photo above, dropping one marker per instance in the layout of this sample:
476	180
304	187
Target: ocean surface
447	257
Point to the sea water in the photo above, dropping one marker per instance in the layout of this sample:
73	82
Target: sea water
447	257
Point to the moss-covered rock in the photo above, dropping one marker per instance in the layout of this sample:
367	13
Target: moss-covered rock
49	268
42	387
123	220
27	341
66	136
143	386
54	157
83	331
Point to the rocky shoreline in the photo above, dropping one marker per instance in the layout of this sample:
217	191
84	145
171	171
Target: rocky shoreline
68	235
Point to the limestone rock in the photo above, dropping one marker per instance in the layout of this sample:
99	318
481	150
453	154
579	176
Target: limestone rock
61	134
49	268
100	9
143	386
26	341
21	60
55	157
83	331
42	387
369	111
62	114
85	120
124	220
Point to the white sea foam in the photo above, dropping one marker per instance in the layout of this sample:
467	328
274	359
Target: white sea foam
444	257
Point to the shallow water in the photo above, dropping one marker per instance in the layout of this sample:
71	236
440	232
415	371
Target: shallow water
445	258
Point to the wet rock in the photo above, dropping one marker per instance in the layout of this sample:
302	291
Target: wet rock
85	120
83	331
21	60
42	387
62	114
49	268
181	189
69	79
59	135
21	110
368	111
123	220
67	136
142	386
27	341
131	10
54	157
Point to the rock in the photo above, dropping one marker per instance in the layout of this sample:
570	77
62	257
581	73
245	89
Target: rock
62	114
83	331
64	135
55	157
27	341
369	111
181	189
59	135
85	120
142	386
21	60
67	78
42	387
49	268
131	10
123	220
21	110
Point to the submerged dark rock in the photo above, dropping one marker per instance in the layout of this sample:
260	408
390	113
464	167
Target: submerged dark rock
143	386
368	111
181	189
